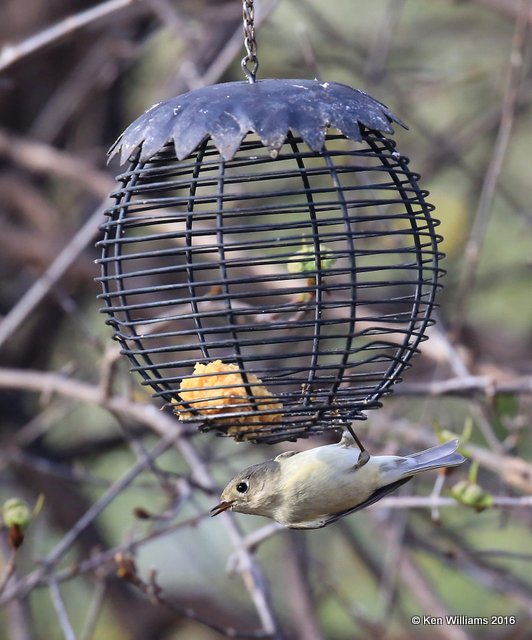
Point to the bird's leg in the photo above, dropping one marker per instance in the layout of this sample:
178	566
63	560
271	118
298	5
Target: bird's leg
363	457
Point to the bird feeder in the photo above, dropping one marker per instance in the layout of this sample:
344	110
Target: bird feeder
270	263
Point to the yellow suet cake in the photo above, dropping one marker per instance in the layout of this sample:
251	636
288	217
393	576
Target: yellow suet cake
217	388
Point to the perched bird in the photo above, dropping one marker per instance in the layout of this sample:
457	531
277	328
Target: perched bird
310	489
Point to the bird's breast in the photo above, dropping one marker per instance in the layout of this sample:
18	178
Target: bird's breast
318	483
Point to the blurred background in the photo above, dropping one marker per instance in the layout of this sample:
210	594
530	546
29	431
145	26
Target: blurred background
119	544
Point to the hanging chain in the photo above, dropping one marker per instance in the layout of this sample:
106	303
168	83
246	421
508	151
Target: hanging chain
250	62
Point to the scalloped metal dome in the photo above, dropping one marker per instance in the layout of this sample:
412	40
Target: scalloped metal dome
269	108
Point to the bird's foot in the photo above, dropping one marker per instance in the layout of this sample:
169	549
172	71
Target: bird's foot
363	459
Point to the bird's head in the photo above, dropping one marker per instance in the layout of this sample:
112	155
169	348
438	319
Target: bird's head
254	490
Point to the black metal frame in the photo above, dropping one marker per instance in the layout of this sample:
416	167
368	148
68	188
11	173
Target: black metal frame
196	266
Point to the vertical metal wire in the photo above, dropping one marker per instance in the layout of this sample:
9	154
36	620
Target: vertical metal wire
224	283
313	365
410	345
188	239
353	306
124	197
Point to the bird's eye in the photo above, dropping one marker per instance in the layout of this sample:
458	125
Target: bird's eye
242	487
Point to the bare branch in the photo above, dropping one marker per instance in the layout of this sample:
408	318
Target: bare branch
60	610
481	219
44	159
12	321
460	369
467	386
11	53
428	502
70	537
17	615
189	75
93	611
300	588
509	8
513	470
170	429
8	568
127	571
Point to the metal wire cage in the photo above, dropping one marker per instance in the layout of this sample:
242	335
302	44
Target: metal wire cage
270	263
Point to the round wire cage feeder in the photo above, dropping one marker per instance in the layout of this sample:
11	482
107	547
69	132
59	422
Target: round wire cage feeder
270	264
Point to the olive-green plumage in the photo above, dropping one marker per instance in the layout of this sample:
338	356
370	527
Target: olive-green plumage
313	488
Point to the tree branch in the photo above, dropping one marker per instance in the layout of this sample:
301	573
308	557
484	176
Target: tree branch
41	287
12	53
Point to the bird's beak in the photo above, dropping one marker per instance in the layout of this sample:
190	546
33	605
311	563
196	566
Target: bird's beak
223	506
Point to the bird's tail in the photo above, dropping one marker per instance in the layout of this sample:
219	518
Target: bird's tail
443	455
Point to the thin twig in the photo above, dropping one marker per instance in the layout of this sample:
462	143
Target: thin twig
12	53
18	617
357	613
108	367
99	559
461	370
389	579
144	461
60	610
428	502
9	569
248	568
467	386
42	158
508	8
98	67
13	457
434	495
300	588
379	52
38	425
410	576
491	577
71	536
512	470
307	49
94	610
257	537
18	314
189	77
482	215
169	428
445	153
128	572
425	594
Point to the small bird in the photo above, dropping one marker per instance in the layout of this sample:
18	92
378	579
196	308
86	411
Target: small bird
310	489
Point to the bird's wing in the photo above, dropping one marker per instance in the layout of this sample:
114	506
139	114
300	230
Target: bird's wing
374	497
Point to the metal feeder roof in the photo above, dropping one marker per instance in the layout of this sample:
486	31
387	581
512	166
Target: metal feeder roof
227	112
